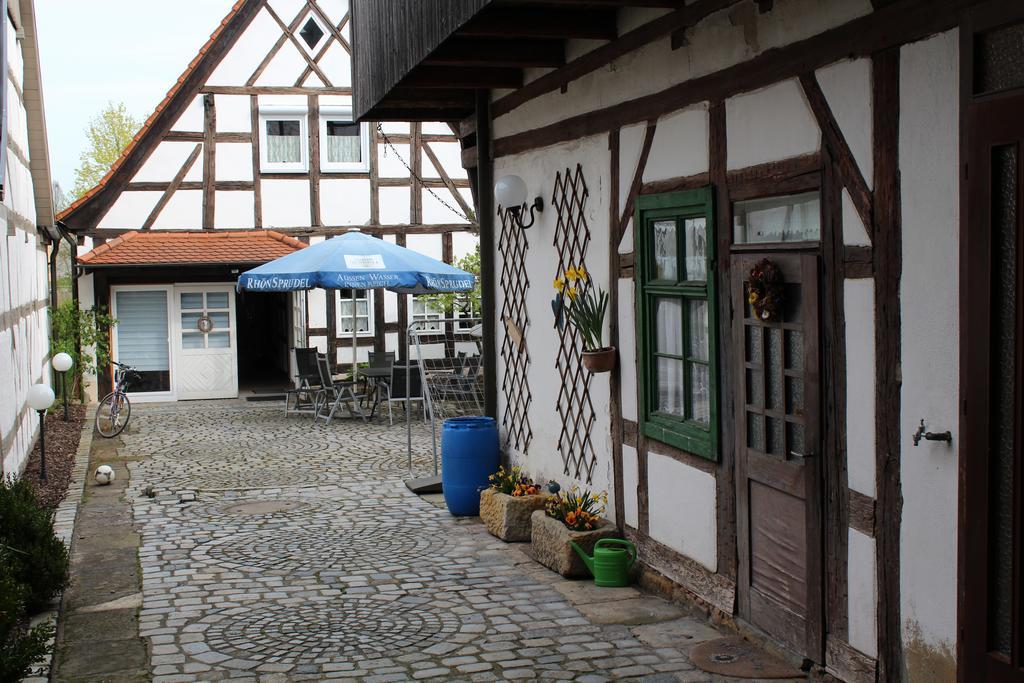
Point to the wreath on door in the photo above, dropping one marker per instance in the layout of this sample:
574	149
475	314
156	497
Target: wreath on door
766	290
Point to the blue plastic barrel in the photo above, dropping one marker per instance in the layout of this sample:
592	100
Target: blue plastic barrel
469	455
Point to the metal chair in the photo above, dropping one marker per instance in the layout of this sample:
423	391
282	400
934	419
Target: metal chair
302	399
403	376
380	362
334	393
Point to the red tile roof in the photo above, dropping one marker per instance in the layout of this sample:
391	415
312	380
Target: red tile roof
156	112
145	248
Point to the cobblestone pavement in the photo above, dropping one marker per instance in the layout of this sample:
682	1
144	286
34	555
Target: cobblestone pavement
303	557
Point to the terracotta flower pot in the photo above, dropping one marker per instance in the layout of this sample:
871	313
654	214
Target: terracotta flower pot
601	360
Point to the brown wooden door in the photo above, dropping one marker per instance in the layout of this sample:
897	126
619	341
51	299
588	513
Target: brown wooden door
778	448
992	517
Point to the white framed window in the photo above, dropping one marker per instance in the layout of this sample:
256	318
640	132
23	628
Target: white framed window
422	311
363	318
284	140
344	145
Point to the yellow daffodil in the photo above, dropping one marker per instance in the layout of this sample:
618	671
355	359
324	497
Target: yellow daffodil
559	284
572	274
582	274
572	293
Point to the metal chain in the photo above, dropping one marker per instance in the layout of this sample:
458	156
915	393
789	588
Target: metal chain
387	141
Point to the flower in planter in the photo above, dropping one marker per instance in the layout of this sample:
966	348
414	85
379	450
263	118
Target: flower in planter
513	482
578	510
587	305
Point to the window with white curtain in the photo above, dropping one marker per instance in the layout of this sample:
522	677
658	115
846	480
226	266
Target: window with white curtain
344	145
423	311
676	306
284	140
363	317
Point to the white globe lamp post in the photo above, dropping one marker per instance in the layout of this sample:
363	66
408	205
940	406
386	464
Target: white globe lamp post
40	398
62	362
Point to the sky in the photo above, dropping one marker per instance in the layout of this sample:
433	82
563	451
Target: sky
103	51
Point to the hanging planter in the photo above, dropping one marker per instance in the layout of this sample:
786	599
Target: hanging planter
585	311
600	360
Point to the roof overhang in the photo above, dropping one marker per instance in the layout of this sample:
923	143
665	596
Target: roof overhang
182	248
425	60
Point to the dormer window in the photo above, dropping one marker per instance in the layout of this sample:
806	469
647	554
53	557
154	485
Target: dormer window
283	136
344	145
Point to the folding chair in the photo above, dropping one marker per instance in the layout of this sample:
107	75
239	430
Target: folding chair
302	399
395	389
334	393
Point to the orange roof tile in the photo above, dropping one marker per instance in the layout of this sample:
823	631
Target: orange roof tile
156	112
145	248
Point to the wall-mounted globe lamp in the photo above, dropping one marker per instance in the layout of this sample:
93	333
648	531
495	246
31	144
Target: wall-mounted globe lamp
510	191
62	362
40	398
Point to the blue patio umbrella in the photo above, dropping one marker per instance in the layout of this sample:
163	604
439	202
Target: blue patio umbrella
354	261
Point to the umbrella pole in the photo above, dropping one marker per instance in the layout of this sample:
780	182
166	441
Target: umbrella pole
355	340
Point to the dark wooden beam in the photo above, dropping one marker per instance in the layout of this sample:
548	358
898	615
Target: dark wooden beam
209	160
463	51
888	253
173	187
502	22
488	245
846	165
418	114
670	4
615	378
467	77
638	177
254	122
601	56
888	27
313	113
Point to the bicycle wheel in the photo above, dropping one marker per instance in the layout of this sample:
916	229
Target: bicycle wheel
113	414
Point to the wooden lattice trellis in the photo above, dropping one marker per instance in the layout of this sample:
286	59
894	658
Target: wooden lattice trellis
515	356
572	235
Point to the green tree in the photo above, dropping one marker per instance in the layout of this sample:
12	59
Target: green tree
466	303
73	328
109	132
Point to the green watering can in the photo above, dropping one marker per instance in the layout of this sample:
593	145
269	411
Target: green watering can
611	563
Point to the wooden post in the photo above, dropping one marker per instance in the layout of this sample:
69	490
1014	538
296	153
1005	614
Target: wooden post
488	266
209	160
615	379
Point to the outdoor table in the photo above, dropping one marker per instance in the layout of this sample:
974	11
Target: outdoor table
375	375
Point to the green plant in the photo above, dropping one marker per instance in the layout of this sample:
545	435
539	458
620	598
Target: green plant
20	647
578	510
109	132
37	558
513	482
587	306
462	302
72	329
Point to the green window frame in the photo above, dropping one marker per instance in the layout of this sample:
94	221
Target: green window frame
676	374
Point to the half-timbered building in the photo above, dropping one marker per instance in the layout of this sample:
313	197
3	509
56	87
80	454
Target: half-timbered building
253	154
26	217
838	468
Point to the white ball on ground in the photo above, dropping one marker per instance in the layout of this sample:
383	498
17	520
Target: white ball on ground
105	474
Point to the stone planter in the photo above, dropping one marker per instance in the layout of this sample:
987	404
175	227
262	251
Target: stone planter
549	544
508	517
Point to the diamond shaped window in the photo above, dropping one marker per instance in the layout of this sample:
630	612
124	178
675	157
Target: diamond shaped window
311	33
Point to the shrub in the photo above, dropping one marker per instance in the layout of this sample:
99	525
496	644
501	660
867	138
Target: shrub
74	329
20	647
37	558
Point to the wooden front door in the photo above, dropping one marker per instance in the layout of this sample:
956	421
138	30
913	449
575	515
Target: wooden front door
992	516
778	449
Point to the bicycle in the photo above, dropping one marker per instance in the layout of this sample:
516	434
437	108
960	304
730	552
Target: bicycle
115	409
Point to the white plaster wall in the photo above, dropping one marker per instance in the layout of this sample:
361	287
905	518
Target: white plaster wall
184	210
683	514
234	161
344	201
855	233
233	209
234	114
680	145
166	160
721	40
859	308
847	88
929	118
394	205
191	119
861	593
770	124
87	300
539	170
252	45
24	344
130	210
285	203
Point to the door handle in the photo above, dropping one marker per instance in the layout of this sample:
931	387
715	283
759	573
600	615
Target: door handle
802	456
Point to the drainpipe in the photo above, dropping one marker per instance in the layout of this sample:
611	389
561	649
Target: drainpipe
488	267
